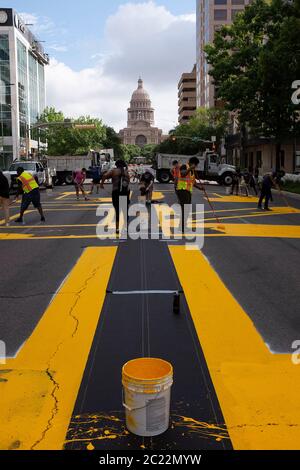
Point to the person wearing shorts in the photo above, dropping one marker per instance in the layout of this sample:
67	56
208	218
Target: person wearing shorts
79	179
31	194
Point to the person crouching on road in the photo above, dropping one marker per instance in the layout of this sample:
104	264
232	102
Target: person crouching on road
79	179
4	197
28	186
186	182
147	185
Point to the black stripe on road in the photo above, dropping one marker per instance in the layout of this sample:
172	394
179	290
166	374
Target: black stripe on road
145	326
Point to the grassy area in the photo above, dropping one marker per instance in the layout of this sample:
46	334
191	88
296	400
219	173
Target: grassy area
291	187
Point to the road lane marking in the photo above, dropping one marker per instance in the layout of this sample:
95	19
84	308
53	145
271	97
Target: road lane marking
39	388
235	199
258	391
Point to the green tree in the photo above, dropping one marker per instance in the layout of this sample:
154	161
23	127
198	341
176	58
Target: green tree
186	139
66	140
113	141
254	62
149	151
130	152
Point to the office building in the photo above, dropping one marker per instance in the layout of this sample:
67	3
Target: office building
187	96
211	15
22	88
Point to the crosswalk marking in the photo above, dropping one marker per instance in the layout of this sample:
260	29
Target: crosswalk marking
38	389
258	391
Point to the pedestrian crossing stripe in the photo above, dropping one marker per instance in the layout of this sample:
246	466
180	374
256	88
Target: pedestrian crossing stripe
258	391
39	387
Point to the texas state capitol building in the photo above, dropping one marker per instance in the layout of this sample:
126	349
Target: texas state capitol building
22	88
140	128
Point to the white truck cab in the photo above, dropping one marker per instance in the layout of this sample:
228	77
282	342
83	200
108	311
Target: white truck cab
36	169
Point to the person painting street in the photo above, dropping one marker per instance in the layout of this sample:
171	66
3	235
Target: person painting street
175	172
186	182
120	181
4	197
266	191
96	178
147	185
236	181
28	186
79	179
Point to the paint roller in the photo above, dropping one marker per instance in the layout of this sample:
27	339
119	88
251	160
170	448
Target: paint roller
220	226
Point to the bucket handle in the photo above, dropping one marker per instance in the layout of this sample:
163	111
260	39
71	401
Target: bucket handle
128	407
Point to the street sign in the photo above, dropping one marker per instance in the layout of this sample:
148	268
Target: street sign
85	126
214	139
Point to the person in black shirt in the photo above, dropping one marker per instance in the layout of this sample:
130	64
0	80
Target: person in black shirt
4	196
146	186
266	192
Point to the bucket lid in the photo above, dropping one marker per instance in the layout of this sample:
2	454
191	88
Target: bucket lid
147	370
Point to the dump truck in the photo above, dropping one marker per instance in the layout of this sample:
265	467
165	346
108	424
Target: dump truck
210	167
64	166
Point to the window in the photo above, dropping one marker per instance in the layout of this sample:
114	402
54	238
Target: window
259	159
220	15
5	88
220	2
282	158
238	2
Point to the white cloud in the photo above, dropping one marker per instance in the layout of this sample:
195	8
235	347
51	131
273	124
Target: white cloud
144	39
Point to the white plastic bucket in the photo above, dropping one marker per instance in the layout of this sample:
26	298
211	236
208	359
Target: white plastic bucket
147	386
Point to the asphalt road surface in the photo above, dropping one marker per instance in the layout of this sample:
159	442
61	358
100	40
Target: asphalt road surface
67	333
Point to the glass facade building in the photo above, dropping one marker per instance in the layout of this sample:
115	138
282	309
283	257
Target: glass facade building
22	89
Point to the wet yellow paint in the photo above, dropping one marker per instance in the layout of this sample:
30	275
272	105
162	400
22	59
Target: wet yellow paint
258	391
42	383
147	369
92	428
234	199
204	430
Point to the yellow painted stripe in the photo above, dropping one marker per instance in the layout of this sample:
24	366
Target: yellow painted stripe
258	392
235	199
39	388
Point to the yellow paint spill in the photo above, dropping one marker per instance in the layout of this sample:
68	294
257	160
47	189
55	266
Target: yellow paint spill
205	430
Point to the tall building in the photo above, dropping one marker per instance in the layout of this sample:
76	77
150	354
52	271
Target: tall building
211	15
22	88
187	96
140	128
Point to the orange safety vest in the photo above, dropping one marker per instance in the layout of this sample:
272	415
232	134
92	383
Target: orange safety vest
175	173
186	183
28	182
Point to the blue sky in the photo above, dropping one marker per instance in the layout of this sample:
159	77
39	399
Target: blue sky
79	26
98	48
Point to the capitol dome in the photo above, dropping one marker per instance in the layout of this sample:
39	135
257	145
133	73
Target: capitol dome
140	94
140	107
